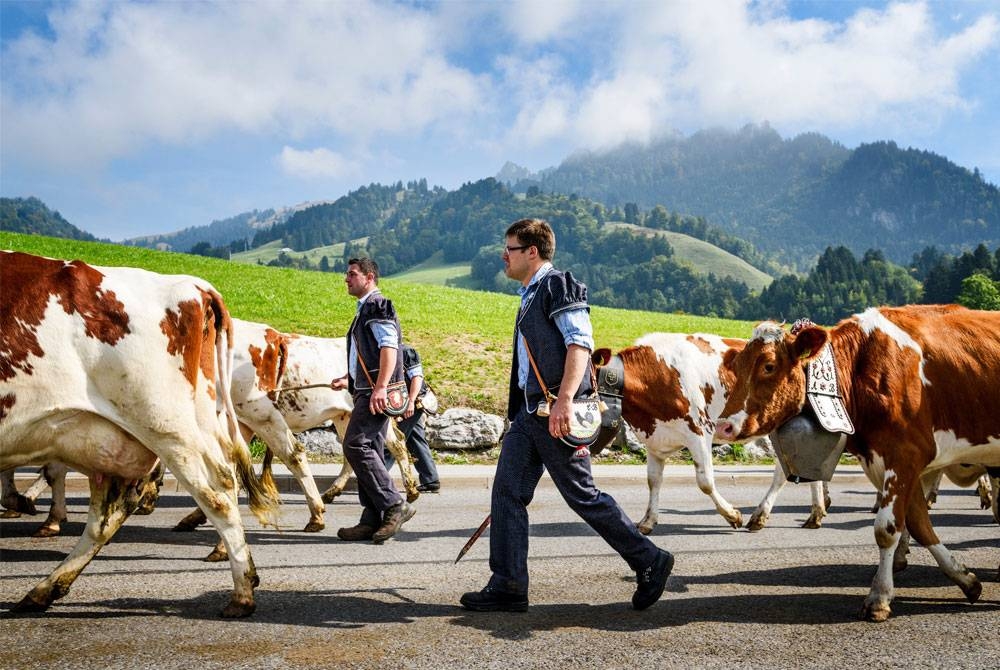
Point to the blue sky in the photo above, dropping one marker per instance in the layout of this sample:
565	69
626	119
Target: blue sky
133	118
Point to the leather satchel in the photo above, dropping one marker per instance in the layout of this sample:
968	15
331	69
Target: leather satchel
585	419
397	394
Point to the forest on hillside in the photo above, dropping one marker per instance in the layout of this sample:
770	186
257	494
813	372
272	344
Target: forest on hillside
794	197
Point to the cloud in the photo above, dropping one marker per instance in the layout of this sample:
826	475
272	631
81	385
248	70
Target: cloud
112	79
317	163
117	78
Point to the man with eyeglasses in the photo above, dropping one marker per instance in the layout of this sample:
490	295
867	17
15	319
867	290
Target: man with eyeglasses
554	322
375	337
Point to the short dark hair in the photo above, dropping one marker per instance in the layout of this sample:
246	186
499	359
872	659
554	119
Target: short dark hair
535	233
366	265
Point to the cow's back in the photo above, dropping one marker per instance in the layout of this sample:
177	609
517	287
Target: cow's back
123	352
268	360
942	363
674	387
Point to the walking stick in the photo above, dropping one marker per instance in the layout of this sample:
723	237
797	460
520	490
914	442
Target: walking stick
273	395
475	536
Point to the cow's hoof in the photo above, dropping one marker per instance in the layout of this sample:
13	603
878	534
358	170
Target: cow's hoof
314	526
756	522
190	522
217	556
736	521
973	590
29	605
813	522
238	610
411	496
329	495
23	505
46	531
875	614
10	514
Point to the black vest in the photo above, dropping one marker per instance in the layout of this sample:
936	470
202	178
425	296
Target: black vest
376	308
557	291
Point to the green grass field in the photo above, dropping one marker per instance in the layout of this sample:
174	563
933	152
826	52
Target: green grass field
463	336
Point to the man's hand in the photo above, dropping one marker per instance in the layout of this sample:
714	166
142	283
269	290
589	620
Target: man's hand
559	415
379	400
339	383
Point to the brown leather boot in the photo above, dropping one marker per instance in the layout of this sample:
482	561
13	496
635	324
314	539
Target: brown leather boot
360	533
394	519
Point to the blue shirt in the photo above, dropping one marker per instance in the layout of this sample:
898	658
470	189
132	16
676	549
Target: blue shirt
574	324
385	333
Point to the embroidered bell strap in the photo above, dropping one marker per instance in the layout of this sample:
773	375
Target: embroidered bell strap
824	395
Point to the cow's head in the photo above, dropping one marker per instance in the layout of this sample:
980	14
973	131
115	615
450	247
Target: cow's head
769	381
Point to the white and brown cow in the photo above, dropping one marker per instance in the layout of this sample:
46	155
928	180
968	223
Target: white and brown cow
266	361
106	369
919	384
672	395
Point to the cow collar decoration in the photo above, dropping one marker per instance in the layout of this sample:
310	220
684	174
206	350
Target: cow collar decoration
822	388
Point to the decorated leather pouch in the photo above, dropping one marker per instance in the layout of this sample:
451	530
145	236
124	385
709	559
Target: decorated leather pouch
397	395
584	420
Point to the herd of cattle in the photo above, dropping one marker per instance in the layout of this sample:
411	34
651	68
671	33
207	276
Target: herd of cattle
119	373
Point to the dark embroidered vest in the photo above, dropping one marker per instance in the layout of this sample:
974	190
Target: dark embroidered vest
376	308
557	292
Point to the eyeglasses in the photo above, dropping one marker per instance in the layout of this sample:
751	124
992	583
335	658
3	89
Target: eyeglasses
507	250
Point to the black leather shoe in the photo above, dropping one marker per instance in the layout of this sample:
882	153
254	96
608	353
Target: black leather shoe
489	600
652	580
394	519
429	487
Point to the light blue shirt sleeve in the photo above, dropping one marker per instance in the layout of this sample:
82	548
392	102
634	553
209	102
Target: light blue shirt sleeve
386	334
575	326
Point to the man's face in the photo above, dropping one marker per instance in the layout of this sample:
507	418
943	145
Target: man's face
358	283
517	259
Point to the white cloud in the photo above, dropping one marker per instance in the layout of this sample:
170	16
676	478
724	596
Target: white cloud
316	163
354	77
121	76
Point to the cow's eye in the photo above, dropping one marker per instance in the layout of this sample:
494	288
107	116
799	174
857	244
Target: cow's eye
768	368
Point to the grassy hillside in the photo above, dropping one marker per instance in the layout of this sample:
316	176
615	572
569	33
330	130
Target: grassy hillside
434	271
268	252
704	257
464	336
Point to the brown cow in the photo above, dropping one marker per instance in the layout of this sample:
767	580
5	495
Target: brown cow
919	384
108	369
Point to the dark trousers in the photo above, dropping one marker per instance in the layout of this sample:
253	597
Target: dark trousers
528	450
364	442
413	430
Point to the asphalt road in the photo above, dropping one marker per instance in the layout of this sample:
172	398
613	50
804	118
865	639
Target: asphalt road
782	597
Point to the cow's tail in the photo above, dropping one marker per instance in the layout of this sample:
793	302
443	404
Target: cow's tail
263	495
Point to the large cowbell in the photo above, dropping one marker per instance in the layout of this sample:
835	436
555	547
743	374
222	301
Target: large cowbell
807	452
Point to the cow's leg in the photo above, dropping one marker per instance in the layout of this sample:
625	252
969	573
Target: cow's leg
701	454
887	533
995	484
654	480
932	484
223	511
763	512
55	476
396	444
820	494
291	452
13	502
983	489
918	522
152	491
112	500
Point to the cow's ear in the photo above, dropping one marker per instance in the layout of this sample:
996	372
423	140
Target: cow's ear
808	343
601	356
728	357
